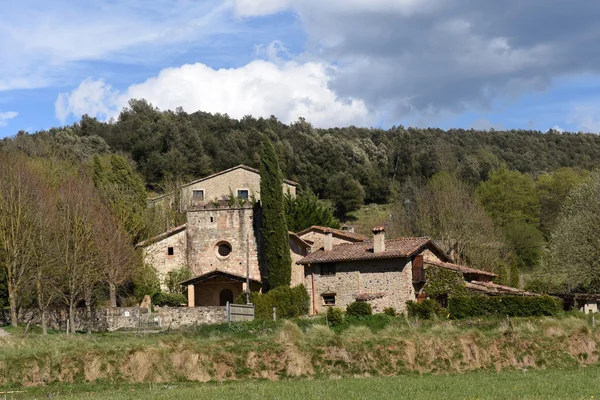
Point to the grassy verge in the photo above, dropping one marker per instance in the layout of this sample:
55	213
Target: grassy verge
547	384
375	346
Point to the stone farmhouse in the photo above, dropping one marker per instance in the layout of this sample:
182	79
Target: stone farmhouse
221	242
385	273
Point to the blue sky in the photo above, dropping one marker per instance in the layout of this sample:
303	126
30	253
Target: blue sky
530	64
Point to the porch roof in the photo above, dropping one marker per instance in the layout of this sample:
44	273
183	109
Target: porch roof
216	274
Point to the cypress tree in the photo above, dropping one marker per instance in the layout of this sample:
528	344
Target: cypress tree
276	243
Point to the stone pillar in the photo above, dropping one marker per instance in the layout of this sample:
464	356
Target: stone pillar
191	295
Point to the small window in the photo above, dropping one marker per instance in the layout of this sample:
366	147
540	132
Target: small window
212	219
327	269
198	195
329	299
243	194
170	251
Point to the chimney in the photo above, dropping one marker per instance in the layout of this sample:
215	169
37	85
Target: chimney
328	240
378	239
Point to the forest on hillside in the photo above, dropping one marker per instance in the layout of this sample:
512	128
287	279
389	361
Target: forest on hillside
513	202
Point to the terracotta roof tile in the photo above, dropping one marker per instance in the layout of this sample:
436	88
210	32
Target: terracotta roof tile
357	237
495	289
460	268
394	248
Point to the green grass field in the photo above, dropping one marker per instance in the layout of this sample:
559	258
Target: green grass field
548	384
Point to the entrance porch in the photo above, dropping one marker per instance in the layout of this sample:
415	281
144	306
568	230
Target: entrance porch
216	288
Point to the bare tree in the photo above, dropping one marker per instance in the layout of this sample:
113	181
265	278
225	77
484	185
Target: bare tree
447	212
118	256
18	203
78	262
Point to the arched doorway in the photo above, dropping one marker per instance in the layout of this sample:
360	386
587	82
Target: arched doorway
225	296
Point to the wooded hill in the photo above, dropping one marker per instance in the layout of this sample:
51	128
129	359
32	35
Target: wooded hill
168	145
492	197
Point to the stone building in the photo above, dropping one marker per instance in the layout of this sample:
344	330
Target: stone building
241	181
221	241
385	273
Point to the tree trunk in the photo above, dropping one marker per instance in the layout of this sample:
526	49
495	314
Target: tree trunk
13	306
113	294
88	314
40	299
43	321
71	318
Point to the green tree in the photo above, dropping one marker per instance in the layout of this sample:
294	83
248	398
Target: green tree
526	242
553	189
124	191
346	193
274	228
305	210
573	259
510	196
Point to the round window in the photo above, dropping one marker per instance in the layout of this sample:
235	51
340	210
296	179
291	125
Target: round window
223	249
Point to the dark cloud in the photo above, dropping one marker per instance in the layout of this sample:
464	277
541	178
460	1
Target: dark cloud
455	56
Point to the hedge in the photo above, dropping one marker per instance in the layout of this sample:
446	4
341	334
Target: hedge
163	299
424	310
512	306
359	309
289	302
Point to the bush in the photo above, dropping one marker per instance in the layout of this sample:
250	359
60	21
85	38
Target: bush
424	310
359	309
334	316
289	302
391	311
512	306
168	299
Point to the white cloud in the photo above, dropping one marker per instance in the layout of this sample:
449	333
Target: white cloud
42	41
287	90
92	97
6	116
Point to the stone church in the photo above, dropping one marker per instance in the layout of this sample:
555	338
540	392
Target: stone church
221	240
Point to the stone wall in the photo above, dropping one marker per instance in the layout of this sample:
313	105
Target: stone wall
383	283
128	318
221	186
157	254
297	252
207	227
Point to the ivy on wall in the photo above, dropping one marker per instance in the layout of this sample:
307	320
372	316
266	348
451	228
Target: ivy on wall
442	281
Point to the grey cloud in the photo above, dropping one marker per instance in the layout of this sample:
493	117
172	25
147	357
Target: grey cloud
461	55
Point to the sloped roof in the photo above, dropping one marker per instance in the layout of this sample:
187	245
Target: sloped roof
352	236
241	166
394	248
216	274
459	268
297	238
491	288
162	236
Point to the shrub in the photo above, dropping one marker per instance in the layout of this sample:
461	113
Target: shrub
334	316
168	299
391	311
424	310
512	306
359	309
289	302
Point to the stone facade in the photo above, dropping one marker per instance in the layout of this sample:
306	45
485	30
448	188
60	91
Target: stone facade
383	283
219	186
234	227
297	250
159	255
